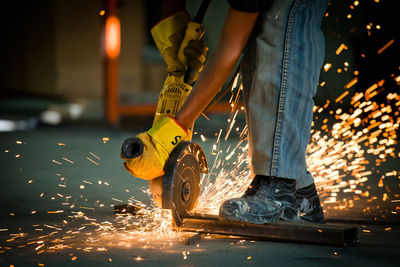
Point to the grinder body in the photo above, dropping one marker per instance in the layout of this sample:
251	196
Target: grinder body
179	188
175	89
172	96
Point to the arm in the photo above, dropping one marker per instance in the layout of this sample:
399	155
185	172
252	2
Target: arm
145	155
235	33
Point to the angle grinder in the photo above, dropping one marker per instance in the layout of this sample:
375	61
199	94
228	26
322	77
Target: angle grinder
179	188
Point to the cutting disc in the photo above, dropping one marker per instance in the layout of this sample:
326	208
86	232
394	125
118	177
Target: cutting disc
181	182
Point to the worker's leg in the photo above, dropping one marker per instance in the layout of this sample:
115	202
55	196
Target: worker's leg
280	73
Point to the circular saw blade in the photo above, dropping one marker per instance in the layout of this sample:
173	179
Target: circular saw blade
186	185
181	182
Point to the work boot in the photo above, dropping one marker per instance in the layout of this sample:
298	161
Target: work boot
309	205
267	200
253	187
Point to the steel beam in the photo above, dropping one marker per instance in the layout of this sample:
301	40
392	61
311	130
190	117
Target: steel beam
323	234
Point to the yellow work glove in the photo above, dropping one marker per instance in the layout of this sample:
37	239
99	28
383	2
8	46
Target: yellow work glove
168	35
157	144
175	33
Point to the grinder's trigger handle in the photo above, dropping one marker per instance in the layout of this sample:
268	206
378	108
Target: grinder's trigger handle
194	31
132	148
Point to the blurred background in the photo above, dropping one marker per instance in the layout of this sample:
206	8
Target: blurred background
54	56
63	97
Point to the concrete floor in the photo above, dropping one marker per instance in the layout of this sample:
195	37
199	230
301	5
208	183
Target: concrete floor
377	248
41	167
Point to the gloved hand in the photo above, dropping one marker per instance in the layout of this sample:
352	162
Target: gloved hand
158	143
195	53
168	35
175	33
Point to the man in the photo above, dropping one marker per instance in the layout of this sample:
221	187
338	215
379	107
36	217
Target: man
283	49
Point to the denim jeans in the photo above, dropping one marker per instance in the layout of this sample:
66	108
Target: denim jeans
280	73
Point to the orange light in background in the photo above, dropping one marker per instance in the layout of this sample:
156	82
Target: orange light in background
113	37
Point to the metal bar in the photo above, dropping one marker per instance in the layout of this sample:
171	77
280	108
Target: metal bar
193	240
110	69
139	109
111	91
150	109
324	234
